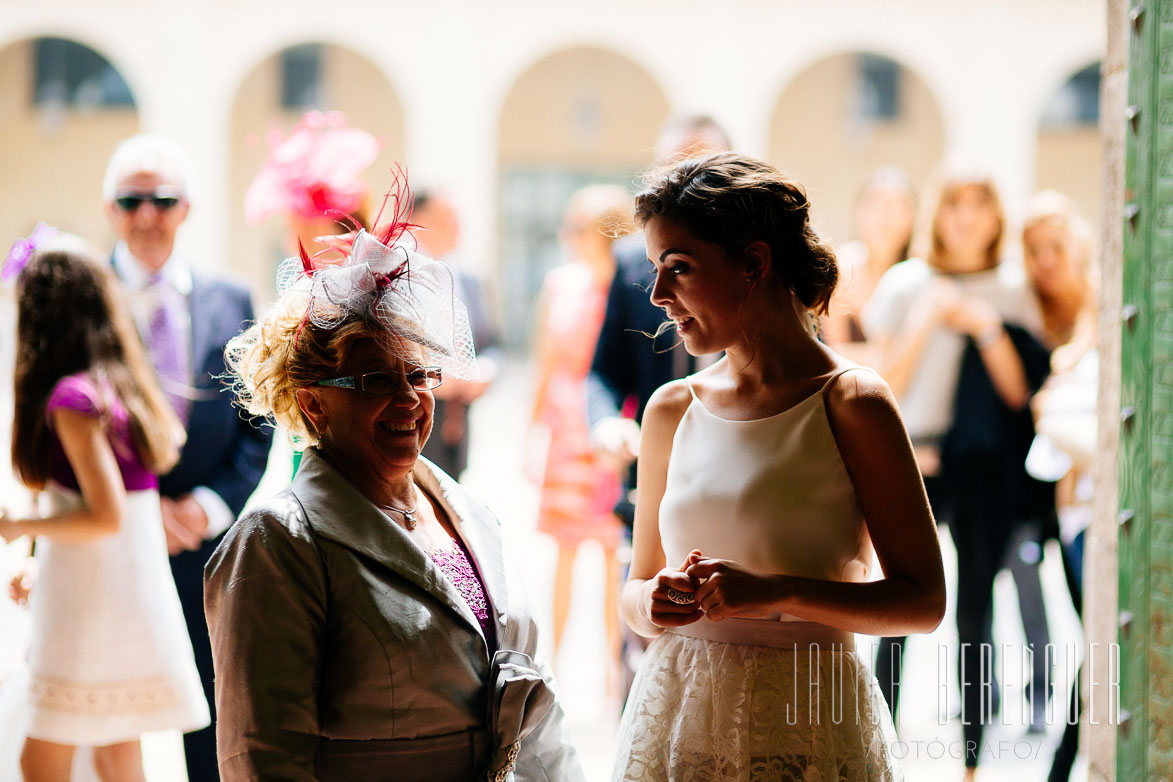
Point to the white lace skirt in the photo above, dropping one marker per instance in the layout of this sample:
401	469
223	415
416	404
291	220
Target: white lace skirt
711	711
109	657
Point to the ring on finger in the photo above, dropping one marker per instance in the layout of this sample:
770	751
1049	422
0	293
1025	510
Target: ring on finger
680	597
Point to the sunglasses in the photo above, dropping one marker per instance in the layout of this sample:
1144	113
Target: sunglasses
129	203
383	383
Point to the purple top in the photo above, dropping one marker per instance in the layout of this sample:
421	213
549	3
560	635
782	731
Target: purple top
79	393
456	565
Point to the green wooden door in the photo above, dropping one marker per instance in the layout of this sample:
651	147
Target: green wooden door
1145	738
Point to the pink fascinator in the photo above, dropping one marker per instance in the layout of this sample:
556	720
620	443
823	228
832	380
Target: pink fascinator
23	249
381	279
312	172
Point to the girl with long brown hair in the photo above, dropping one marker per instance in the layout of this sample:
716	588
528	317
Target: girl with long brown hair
109	658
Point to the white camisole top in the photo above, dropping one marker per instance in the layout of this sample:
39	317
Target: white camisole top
771	494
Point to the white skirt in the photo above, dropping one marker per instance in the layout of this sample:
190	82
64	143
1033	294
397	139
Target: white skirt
716	711
109	657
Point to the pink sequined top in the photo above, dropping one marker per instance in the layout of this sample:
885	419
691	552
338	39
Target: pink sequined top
455	564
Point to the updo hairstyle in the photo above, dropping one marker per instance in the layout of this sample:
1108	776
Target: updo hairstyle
733	200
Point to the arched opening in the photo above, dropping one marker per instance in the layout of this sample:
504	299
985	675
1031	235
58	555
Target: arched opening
845	116
577	117
1068	154
63	109
270	101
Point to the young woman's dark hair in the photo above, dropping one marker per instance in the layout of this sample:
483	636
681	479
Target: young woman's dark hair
70	320
733	200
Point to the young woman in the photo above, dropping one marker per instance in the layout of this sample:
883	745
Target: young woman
766	482
110	658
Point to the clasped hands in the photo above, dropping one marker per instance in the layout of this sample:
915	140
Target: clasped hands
184	523
719	588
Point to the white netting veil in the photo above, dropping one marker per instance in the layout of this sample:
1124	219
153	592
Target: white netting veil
394	288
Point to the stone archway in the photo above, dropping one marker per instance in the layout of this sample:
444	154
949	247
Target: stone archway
63	109
575	117
846	115
1069	144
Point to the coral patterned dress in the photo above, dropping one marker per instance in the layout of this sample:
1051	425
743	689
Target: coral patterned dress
578	490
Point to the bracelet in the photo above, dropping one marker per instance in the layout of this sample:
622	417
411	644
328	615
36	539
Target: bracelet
989	336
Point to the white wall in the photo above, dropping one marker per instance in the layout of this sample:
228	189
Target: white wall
990	66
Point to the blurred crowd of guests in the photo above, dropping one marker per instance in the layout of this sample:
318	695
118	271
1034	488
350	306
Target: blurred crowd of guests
993	362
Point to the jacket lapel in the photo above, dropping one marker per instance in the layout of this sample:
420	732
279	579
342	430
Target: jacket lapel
201	320
479	528
337	511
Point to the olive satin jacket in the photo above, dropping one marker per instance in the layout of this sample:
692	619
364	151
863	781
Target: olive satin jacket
343	652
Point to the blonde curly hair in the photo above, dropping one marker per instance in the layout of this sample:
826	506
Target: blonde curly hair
284	351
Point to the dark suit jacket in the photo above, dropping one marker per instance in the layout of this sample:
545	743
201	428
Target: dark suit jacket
225	450
627	363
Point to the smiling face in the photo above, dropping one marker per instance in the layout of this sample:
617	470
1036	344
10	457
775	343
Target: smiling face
968	223
378	434
698	285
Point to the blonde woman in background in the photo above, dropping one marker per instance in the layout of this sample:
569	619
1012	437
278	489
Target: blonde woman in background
1056	256
1056	243
578	488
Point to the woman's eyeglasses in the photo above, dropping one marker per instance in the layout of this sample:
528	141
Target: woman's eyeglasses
420	379
129	203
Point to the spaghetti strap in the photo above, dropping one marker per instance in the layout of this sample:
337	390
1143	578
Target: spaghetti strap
842	371
688	382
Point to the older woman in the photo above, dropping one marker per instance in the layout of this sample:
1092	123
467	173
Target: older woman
366	622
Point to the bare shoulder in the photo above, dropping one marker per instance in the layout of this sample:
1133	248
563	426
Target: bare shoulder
861	398
666	406
669	399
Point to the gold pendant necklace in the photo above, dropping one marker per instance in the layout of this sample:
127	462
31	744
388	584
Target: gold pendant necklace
408	515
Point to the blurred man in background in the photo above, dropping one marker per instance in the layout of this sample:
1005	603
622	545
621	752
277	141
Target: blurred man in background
439	238
185	318
628	366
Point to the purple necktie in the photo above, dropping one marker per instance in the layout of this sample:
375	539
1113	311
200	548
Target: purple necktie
167	350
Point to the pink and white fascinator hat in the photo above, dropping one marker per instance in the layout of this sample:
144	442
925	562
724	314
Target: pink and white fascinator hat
381	279
314	171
